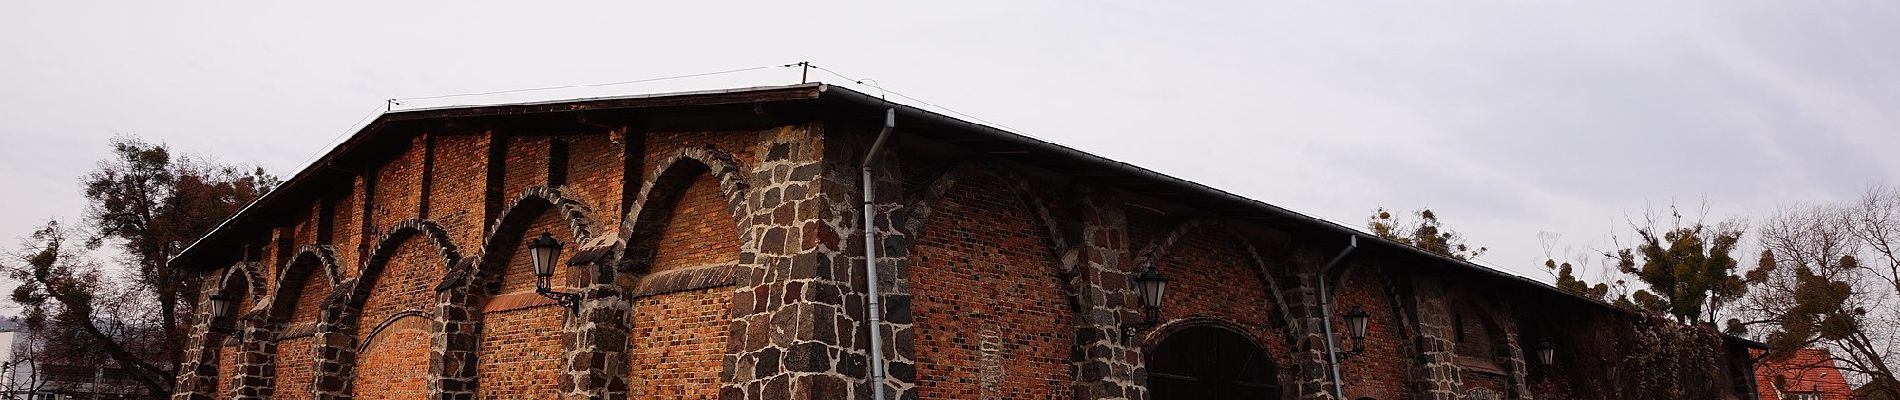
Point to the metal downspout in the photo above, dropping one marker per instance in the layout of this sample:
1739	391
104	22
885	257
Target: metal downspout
1326	316
872	303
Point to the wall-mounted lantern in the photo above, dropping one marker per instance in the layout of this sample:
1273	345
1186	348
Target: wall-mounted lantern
222	308
1356	321
1546	354
544	251
1150	285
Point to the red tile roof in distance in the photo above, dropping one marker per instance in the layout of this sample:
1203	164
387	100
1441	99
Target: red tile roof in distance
1807	371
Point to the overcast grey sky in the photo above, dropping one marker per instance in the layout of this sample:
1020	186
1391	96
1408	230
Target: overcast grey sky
1509	118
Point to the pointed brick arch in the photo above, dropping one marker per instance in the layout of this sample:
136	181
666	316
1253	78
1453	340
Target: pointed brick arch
1159	247
311	261
915	215
1254	356
662	191
386	247
252	280
337	334
244	284
658	294
264	326
901	247
454	348
512	227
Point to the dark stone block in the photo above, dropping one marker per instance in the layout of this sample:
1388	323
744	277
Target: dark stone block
768	362
902	371
824	387
806	172
826	294
852	364
897	309
808	357
1091	371
778	152
776	388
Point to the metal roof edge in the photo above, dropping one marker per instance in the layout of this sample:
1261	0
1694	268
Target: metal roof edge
998	133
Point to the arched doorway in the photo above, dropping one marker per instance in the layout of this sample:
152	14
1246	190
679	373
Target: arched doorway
1210	362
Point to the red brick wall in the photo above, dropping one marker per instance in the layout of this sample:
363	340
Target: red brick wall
227	368
407	283
527	164
305	231
394	363
347	230
701	231
398	363
521	345
521	350
594	173
294	355
399	187
990	313
293	368
457	186
677	342
519	275
227	353
678	339
268	261
660	145
1379	372
1211	277
310	299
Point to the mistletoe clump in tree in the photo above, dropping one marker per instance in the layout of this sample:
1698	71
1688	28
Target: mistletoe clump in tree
1426	233
1689	269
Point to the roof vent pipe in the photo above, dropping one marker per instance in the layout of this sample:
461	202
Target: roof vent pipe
872	304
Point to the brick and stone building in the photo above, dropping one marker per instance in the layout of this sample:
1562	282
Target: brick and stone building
715	241
1807	374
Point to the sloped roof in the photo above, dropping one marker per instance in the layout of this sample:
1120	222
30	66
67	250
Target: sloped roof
216	248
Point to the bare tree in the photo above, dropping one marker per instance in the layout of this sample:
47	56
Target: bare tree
1875	222
22	374
1810	288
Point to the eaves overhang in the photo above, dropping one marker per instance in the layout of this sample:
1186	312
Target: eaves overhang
216	249
220	247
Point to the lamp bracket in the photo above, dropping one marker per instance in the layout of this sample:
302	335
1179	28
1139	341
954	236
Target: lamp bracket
1358	347
1131	329
570	301
226	330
